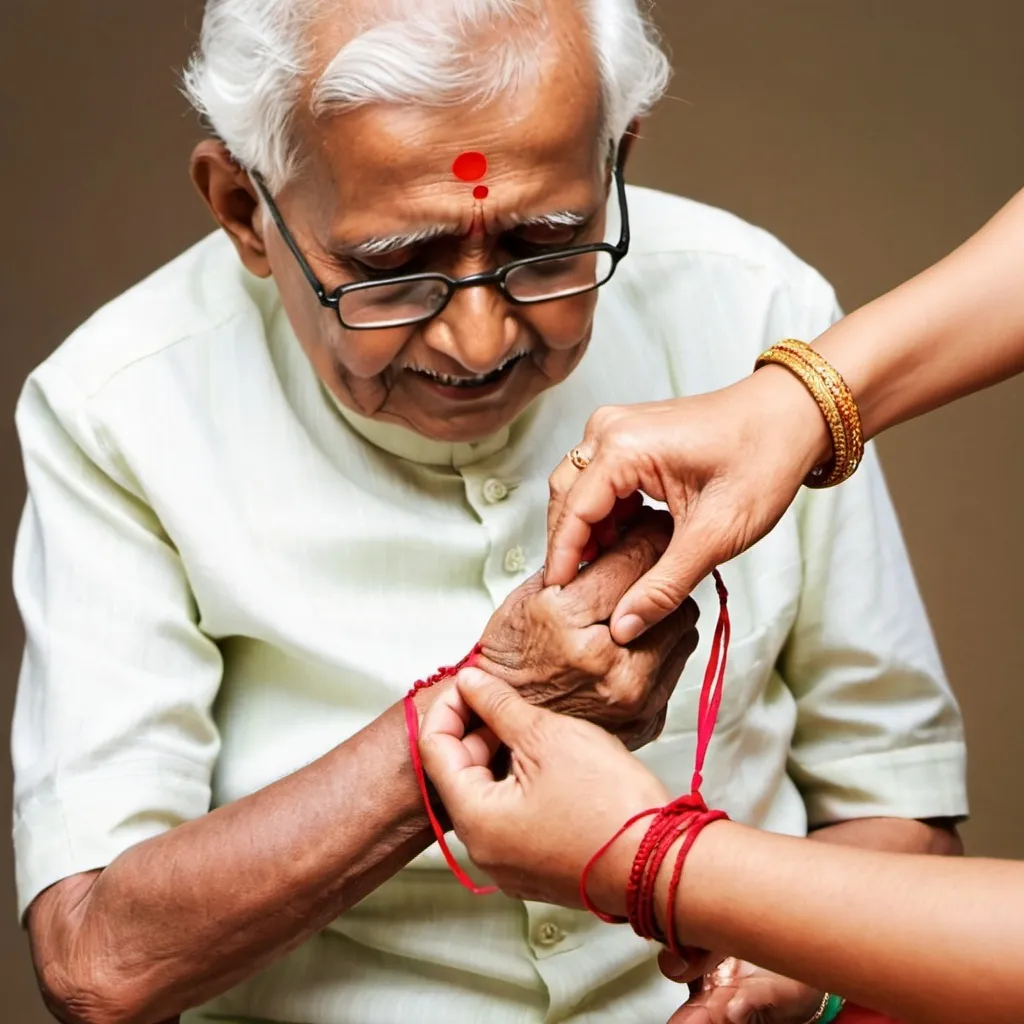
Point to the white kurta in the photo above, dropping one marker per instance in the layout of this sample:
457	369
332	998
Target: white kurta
223	576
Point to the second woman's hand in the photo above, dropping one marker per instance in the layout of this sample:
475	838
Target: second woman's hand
727	464
570	786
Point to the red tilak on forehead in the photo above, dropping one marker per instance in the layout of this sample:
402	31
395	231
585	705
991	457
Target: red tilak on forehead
472	166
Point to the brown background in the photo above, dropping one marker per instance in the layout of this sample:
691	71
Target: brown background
870	135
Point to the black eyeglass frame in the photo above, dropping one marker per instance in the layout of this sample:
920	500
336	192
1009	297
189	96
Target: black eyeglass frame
498	277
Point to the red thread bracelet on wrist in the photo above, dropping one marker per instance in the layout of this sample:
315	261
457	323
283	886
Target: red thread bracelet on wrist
687	814
412	725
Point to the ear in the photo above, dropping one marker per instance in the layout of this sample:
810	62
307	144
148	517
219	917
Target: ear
233	201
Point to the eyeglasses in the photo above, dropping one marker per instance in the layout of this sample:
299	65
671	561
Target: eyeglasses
405	300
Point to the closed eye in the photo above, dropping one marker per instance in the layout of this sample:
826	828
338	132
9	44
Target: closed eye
520	248
393	267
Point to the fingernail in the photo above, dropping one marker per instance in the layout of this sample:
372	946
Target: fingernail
590	552
629	627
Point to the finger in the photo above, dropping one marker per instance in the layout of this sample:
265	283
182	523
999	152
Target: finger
691	555
509	717
682	971
559	483
673	638
709	1006
483	745
595	593
659	657
579	504
457	768
448	715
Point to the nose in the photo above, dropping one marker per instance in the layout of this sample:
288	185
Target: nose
476	329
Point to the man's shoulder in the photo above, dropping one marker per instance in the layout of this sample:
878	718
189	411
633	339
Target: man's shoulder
190	298
697	235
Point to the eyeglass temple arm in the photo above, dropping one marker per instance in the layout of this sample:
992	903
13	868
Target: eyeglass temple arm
275	213
620	185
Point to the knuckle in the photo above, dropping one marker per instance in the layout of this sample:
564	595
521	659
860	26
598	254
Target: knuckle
558	483
499	702
627	693
602	419
663	595
592	650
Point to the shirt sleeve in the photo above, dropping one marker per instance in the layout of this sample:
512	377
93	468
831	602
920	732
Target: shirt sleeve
113	737
878	730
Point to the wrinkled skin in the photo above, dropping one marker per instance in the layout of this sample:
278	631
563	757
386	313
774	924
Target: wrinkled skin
555	647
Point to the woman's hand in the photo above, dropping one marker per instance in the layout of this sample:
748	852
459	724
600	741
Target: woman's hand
727	464
570	786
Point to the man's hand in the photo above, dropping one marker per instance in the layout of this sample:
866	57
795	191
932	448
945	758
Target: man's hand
740	993
555	647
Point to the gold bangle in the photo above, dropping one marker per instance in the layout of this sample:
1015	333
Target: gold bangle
835	400
831	471
840	392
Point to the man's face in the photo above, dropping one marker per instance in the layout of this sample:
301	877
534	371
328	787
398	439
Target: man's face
379	180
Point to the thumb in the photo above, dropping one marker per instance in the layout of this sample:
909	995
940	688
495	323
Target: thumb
456	760
683	972
501	708
688	558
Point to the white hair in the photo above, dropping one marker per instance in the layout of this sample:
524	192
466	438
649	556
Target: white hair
252	67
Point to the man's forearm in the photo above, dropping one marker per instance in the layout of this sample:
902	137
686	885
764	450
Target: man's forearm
895	835
183	917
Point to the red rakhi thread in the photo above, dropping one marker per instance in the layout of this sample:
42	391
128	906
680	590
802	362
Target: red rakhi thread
686	816
412	725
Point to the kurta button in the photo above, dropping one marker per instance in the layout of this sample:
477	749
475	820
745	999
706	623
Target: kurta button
549	934
515	560
494	491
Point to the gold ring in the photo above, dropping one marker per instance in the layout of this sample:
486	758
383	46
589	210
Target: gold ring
578	459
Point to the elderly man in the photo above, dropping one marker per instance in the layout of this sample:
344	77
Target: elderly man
305	463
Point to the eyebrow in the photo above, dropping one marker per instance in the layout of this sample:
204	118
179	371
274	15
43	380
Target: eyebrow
558	219
383	245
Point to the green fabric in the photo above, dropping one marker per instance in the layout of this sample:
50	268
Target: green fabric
832	1011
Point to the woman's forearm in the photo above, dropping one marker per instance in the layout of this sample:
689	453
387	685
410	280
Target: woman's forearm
892	931
955	328
183	917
